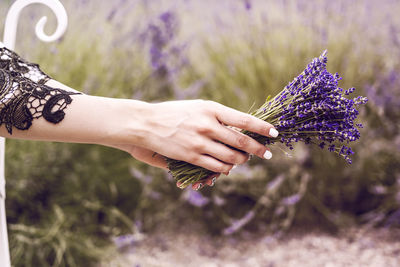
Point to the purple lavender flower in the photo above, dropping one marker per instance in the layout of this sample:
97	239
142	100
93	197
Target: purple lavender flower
314	110
385	94
167	54
195	198
311	109
240	223
125	241
161	34
291	200
247	4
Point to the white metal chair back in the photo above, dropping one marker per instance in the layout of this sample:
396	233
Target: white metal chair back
10	30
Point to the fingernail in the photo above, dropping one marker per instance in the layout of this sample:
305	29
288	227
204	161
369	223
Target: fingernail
273	132
267	154
199	186
213	181
234	167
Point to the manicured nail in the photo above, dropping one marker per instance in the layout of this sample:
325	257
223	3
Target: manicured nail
199	186
267	154
213	181
273	132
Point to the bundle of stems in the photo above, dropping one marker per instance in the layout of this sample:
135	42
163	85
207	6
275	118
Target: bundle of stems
311	109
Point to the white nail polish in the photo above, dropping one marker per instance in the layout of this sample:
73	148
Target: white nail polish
267	154
273	132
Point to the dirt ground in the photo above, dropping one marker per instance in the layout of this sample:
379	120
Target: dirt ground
351	247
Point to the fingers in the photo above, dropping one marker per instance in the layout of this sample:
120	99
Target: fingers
212	164
243	142
226	154
244	121
210	181
149	157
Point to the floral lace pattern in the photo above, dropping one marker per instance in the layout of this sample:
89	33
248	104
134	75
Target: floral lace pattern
24	95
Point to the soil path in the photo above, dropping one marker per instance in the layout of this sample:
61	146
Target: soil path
353	247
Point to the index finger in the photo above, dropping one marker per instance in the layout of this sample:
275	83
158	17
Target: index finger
233	117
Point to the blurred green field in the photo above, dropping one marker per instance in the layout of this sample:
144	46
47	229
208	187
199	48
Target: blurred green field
65	202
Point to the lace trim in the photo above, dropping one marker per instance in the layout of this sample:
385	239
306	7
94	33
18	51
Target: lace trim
24	95
10	61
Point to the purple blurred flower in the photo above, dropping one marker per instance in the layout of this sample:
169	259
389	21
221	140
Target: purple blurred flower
247	4
385	93
219	201
195	198
162	35
238	224
276	183
167	54
126	241
394	219
141	176
379	189
170	24
291	200
114	9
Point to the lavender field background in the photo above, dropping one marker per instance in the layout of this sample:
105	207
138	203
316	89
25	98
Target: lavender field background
78	205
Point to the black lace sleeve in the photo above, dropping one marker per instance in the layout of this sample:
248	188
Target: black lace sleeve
24	95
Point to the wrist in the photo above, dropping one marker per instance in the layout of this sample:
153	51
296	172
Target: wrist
128	122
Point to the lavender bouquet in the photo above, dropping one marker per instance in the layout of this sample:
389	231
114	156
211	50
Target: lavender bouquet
311	109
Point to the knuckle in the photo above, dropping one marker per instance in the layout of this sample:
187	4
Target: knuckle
243	158
242	141
203	129
211	106
207	103
244	122
227	168
199	146
205	106
193	158
211	103
232	158
223	168
199	101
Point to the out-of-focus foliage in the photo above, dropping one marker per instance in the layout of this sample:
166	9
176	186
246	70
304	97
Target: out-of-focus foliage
65	201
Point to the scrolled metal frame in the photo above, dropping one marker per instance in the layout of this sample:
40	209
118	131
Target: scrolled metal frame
10	33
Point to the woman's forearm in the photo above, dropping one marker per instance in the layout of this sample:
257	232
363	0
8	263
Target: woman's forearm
91	119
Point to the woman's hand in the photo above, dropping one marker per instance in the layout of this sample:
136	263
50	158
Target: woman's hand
196	131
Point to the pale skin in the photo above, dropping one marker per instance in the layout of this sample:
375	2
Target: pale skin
191	130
